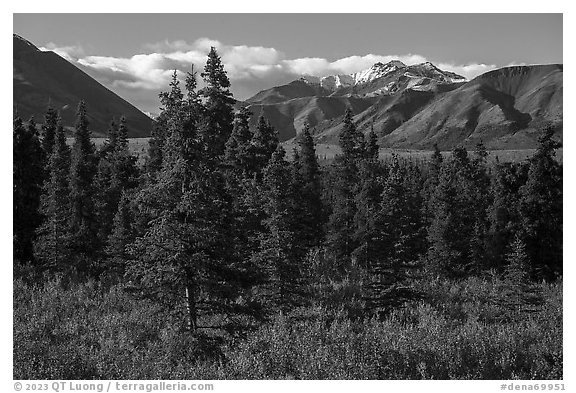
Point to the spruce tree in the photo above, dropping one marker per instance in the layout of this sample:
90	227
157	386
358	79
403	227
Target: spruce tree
218	121
451	226
350	139
340	233
457	234
82	218
394	244
122	234
372	147
309	190
371	178
52	245
480	200
184	256
170	103
243	187
280	255
263	144
116	172
27	173
51	119
186	252
518	295
432	176
155	146
237	154
110	142
541	209
503	212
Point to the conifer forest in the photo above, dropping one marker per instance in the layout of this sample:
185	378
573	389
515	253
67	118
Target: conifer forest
223	256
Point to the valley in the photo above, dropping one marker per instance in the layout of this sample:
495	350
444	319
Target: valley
327	152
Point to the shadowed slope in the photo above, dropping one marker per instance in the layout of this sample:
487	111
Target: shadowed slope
44	78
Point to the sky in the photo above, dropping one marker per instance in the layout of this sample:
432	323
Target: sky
134	55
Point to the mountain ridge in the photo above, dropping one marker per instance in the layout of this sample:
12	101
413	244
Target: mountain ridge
43	78
419	106
408	106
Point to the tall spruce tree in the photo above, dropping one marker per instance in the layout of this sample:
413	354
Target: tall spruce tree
371	178
452	224
395	244
27	172
116	172
309	190
503	213
52	245
340	233
184	257
480	200
457	234
280	254
541	209
82	218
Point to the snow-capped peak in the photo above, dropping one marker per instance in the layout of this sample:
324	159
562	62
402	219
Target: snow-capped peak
378	70
416	73
333	82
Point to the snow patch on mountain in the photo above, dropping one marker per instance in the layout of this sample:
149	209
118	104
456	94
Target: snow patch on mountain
334	82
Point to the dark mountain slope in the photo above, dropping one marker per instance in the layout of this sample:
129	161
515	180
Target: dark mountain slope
40	78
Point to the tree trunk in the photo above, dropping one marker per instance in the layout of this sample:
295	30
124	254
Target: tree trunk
191	313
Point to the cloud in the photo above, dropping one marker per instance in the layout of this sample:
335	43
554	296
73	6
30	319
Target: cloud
469	71
70	52
141	77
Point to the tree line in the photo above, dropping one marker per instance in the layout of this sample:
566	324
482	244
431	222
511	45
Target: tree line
218	222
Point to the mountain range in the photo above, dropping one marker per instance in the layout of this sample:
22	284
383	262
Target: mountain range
420	105
408	106
42	78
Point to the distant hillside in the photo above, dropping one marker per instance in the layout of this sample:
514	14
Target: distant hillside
505	108
383	96
42	78
288	117
416	106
